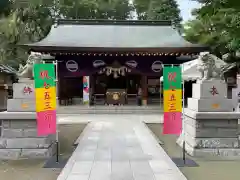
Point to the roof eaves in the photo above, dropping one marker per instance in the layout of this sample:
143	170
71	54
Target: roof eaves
50	49
112	22
7	69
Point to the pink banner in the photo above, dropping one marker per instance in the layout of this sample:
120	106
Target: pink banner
172	123
46	123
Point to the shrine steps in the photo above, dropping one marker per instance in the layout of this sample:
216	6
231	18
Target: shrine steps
105	109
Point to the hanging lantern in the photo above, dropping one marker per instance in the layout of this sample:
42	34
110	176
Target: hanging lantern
115	75
108	72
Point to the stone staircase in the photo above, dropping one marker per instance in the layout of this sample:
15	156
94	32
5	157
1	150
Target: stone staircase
105	109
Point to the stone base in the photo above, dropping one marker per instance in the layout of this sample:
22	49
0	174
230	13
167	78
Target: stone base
24	90
202	89
211	153
210	127
19	140
23	97
210	137
17	154
213	105
21	105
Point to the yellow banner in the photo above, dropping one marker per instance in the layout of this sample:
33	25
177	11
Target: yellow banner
45	99
172	100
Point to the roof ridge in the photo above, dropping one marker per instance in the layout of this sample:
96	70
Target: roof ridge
112	22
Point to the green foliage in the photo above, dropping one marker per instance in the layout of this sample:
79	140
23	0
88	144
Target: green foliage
95	9
12	31
158	10
4	7
164	10
142	7
31	20
26	23
217	24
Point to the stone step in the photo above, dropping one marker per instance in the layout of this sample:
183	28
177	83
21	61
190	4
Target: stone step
155	107
109	110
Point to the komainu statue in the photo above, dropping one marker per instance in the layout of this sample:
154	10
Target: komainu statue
26	71
212	67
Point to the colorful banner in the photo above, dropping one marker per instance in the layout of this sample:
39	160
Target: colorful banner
45	92
172	99
85	89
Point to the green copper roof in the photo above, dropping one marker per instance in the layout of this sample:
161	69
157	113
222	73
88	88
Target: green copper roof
105	35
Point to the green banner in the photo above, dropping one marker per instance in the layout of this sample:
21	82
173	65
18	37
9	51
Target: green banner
172	78
44	74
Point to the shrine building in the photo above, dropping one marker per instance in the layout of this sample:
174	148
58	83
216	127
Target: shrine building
107	61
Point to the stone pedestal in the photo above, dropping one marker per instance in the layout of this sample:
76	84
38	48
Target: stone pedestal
210	127
23	97
18	127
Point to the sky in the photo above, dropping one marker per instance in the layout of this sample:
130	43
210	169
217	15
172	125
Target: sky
186	6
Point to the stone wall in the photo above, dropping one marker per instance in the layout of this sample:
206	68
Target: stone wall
19	140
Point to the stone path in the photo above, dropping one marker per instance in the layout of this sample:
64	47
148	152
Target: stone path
84	118
119	150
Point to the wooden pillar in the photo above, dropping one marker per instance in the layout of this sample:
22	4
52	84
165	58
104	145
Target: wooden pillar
144	90
92	83
92	89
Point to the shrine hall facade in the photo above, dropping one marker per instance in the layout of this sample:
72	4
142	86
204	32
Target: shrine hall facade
117	56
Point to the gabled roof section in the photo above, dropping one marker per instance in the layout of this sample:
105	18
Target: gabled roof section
109	35
7	69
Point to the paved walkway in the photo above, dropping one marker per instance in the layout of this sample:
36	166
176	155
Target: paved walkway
84	118
119	150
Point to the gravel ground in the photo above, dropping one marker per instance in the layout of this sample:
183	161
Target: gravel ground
207	170
32	169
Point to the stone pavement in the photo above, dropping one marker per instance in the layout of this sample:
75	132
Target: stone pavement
85	118
119	150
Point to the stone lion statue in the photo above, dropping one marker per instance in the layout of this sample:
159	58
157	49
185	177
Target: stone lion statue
27	70
212	67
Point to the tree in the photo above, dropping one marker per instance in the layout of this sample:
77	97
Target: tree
26	23
164	10
217	24
12	31
95	9
31	20
141	8
158	10
4	7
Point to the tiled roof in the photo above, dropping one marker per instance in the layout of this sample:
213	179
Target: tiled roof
105	35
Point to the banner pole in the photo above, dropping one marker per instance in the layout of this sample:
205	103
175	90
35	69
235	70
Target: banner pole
160	89
56	84
183	117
